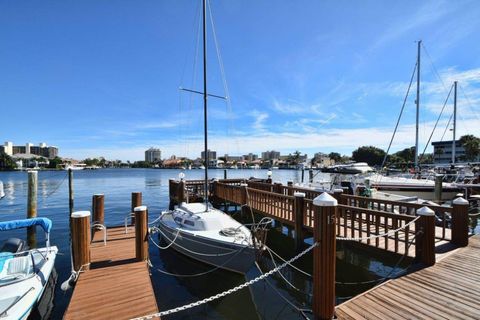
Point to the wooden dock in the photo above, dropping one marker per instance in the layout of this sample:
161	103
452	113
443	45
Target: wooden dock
448	290
117	286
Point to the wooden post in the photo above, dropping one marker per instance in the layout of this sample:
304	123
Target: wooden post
278	187
70	190
98	208
290	185
141	240
438	188
325	211
460	222
425	242
32	207
181	192
310	175
81	238
303	175
136	202
244	187
298	206
337	194
224	174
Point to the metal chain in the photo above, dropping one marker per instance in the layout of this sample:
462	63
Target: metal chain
379	235
227	292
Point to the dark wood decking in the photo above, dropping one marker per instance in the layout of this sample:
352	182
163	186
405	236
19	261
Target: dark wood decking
116	286
448	290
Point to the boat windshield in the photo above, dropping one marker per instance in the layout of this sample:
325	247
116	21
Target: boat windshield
15	267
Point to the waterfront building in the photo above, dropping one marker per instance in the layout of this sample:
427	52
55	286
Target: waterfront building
250	157
153	155
442	152
270	155
42	150
211	154
229	158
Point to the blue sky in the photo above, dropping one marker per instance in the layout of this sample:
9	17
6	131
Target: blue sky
101	78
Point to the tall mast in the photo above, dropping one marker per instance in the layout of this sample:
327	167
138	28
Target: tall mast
454	120
205	96
417	101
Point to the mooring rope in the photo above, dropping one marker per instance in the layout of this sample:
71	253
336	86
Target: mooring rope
301	311
227	292
197	253
195	274
389	233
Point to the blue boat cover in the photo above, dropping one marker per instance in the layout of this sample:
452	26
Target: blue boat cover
45	223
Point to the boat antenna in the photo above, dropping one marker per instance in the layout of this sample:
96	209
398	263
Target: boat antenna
205	98
417	101
454	120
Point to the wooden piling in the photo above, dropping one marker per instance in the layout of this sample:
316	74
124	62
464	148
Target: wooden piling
278	187
460	222
80	223
337	194
325	212
70	190
438	188
136	202
181	195
425	241
32	207
141	240
98	208
298	206
225	174
310	175
303	175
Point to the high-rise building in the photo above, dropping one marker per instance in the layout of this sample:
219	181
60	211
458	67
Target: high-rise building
42	150
250	157
153	155
270	155
442	151
211	154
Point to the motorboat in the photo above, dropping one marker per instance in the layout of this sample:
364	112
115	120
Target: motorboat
24	272
422	188
349	168
208	235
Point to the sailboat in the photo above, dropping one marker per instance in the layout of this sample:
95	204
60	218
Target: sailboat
404	186
200	231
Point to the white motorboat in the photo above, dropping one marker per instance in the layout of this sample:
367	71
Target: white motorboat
24	273
349	168
210	236
408	187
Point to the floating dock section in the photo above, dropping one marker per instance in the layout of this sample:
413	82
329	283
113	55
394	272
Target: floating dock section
117	283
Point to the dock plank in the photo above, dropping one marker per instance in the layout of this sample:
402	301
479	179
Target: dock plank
447	290
116	286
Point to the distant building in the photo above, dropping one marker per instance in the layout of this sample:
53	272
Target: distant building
250	157
233	158
42	150
442	151
153	155
270	155
211	154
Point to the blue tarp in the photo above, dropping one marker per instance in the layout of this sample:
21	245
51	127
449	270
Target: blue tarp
45	223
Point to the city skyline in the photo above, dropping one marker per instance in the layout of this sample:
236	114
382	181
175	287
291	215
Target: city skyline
109	87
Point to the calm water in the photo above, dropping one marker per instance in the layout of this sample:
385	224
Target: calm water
264	300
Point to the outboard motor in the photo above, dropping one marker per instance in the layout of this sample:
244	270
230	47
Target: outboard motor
14	245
